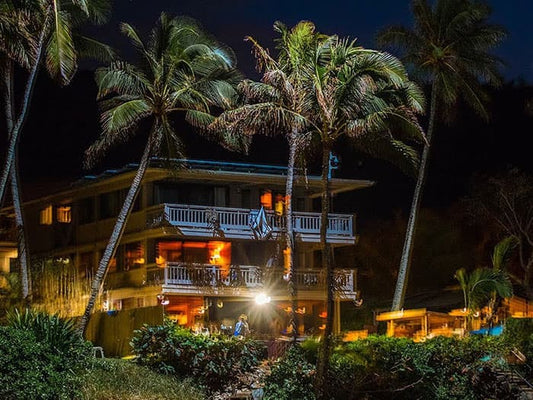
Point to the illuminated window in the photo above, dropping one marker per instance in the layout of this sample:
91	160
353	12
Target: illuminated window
266	199
133	255
64	214
45	216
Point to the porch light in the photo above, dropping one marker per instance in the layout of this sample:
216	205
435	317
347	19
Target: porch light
262	298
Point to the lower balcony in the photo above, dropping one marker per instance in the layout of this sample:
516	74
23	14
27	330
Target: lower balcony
249	280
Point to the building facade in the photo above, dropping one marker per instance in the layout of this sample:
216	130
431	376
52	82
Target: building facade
204	241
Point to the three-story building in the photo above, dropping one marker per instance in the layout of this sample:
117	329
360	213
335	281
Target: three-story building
204	240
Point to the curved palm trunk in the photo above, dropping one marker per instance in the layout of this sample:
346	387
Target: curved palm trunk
290	233
323	360
114	239
14	134
15	185
405	262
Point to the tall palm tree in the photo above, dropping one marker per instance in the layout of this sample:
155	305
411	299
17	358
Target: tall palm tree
16	45
54	43
365	96
274	106
449	45
28	37
182	69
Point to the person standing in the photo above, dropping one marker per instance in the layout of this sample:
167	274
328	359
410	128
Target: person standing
241	327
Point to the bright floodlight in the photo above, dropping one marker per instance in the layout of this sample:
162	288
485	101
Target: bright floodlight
262	298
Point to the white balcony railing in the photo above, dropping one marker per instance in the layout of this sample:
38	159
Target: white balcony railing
239	220
249	276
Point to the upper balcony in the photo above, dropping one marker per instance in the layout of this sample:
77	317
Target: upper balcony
250	280
236	223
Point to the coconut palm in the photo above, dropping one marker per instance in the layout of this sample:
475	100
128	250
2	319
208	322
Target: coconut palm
274	106
449	45
53	43
17	43
478	287
181	69
28	37
364	96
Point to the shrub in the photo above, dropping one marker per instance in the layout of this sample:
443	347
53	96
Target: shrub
291	378
212	361
41	357
111	379
440	368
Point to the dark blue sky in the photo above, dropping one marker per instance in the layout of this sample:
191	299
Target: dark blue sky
231	20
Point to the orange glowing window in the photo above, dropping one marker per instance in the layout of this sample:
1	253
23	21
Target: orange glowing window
45	216
64	214
219	253
168	251
266	199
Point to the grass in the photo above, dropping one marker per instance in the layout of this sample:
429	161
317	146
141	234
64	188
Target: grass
113	379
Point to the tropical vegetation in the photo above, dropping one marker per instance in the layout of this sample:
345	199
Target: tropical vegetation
37	34
181	70
450	47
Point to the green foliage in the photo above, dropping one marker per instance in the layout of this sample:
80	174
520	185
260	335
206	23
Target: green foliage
395	368
212	361
41	357
111	379
291	378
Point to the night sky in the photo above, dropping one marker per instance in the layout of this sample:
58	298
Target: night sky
63	122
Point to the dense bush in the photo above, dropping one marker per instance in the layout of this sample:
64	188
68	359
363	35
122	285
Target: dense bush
41	357
518	334
114	379
440	368
212	361
291	378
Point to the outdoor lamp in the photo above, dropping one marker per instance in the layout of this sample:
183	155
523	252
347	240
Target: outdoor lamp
262	298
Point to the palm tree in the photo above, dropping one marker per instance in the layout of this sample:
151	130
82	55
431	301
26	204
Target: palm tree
478	288
450	46
181	69
359	94
274	106
54	43
13	25
500	258
28	36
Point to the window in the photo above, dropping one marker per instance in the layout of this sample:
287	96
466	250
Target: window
86	210
45	216
133	255
266	199
109	205
246	198
64	214
86	267
221	196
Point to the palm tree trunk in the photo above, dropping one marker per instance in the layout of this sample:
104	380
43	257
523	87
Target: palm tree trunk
290	233
405	262
17	128
9	103
323	360
116	236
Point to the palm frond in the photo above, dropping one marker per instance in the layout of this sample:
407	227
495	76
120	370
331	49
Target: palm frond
61	58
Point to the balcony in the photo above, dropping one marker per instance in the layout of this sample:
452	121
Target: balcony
249	280
235	223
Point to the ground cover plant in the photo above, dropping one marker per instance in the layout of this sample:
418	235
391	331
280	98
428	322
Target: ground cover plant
114	379
41	357
213	362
